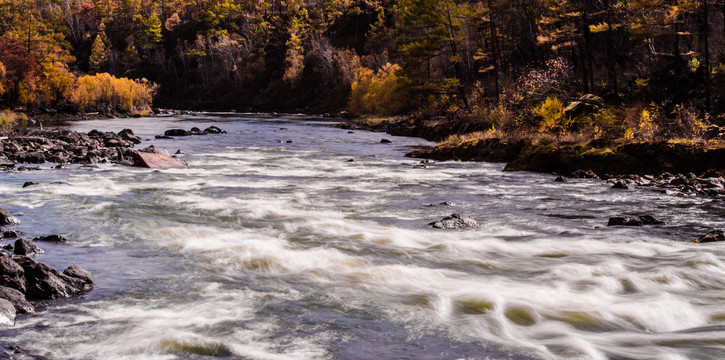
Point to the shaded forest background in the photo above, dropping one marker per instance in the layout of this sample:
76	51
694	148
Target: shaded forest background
657	67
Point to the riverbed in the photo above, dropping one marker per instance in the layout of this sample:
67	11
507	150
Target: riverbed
290	238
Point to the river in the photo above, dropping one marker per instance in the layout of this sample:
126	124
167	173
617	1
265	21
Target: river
273	245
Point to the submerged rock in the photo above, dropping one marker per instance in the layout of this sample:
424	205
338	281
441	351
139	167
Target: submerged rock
714	236
455	221
633	221
385	141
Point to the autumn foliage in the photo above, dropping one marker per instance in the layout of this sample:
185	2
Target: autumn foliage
106	89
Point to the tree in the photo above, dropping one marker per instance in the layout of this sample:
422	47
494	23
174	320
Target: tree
98	61
429	33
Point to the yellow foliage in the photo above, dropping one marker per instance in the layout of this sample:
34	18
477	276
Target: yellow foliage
106	89
382	92
552	113
8	119
2	79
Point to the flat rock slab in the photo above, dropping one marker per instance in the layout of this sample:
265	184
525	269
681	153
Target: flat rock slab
158	161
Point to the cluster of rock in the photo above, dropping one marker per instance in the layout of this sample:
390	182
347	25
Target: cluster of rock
677	184
171	133
23	279
36	146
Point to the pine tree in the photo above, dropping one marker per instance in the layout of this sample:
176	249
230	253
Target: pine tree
98	60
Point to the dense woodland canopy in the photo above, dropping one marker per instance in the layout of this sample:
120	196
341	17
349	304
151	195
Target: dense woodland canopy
505	63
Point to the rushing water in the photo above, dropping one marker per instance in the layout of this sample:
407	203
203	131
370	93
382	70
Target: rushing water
266	249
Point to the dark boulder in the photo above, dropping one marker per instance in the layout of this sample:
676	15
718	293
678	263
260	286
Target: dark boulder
51	238
8	233
714	236
176	132
29	183
583	174
385	141
84	275
195	131
127	134
44	283
6	218
633	221
214	130
620	184
18	300
12	274
559	179
26	247
455	221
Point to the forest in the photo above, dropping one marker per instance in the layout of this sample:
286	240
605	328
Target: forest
632	69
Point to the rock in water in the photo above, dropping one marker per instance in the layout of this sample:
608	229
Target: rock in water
26	247
45	283
176	132
51	238
7	313
6	218
715	236
620	184
18	300
12	274
455	221
77	272
157	158
633	221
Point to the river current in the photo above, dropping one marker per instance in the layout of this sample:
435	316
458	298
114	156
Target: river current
273	245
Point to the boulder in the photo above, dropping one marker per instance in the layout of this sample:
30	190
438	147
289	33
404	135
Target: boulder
127	134
6	218
26	247
8	233
44	283
583	174
633	221
620	184
29	183
176	132
385	141
559	179
12	274
586	104
157	158
84	275
455	221
7	313
18	300
51	238
214	130
714	236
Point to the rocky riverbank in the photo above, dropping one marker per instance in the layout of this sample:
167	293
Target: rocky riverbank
24	280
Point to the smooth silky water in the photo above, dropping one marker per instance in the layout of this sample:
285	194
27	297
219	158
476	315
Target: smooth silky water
266	249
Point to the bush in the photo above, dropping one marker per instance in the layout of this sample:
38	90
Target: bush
8	119
106	89
551	112
384	92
